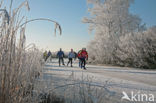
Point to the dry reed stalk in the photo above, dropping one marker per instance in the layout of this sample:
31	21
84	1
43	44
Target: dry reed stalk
19	64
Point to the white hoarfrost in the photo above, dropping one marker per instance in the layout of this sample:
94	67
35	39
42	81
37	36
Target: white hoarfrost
119	33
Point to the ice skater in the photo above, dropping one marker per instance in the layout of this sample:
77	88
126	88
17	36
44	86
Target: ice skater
83	56
71	55
60	55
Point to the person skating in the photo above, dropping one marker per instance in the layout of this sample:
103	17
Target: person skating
45	56
78	56
83	55
71	55
49	55
60	55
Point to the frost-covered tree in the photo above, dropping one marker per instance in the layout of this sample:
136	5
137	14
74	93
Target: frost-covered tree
110	20
138	49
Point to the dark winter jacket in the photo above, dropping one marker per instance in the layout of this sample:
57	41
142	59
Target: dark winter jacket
60	54
49	54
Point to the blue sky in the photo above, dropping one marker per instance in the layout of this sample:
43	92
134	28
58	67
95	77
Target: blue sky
146	10
69	14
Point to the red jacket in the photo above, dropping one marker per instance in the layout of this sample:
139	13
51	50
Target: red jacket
83	54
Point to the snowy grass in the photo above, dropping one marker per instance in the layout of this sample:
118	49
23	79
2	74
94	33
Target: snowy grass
74	90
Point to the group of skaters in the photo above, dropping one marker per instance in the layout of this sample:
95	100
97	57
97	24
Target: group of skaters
82	55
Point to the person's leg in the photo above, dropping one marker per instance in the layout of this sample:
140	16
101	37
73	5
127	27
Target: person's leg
46	58
68	61
71	62
79	62
59	61
62	61
50	58
84	63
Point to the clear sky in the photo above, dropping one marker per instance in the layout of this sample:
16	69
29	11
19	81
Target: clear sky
69	14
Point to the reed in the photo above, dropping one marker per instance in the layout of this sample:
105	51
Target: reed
20	65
